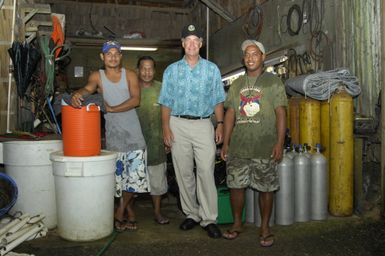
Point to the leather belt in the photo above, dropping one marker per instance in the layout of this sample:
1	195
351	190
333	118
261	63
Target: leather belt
192	117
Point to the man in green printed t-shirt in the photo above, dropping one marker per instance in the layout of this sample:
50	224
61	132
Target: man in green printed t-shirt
254	133
150	120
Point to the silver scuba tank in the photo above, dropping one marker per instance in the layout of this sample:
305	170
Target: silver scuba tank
302	179
250	205
319	186
306	152
284	197
292	153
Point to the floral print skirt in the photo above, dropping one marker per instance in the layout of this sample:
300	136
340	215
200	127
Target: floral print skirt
131	173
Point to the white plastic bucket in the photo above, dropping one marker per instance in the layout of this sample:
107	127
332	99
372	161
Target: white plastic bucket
85	188
28	163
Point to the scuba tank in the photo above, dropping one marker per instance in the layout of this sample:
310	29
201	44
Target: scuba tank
305	151
302	179
319	186
250	205
284	197
291	154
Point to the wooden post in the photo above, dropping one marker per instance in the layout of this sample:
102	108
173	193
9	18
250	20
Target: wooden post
382	111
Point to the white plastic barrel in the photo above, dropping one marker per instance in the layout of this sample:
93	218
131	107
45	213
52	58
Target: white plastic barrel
28	163
85	188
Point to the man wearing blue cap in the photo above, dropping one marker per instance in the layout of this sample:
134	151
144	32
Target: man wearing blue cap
192	90
121	94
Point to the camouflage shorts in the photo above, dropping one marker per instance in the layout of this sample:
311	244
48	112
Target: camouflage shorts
259	174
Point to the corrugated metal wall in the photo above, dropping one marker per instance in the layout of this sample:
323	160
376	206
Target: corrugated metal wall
358	43
275	36
353	30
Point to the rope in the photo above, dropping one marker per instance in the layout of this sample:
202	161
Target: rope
321	85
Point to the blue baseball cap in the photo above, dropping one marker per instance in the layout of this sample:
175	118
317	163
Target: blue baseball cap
109	45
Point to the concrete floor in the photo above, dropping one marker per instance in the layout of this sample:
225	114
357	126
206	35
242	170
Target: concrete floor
335	236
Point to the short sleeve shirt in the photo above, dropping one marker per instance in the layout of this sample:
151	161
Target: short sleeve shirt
151	123
192	91
254	101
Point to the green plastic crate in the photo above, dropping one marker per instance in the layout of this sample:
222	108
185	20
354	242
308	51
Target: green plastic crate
225	215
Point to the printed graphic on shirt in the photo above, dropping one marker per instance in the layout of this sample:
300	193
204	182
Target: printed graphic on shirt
249	105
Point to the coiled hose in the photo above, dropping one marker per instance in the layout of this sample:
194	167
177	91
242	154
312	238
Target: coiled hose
321	85
49	61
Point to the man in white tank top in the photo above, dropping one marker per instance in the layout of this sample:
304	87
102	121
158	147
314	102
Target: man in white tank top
121	94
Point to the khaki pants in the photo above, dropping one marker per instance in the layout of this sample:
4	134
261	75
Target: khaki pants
194	140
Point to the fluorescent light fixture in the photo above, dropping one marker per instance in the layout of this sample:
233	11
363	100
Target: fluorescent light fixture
276	60
138	48
233	75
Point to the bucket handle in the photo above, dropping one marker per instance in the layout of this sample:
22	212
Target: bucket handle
92	104
74	169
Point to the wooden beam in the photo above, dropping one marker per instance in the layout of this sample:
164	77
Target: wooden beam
103	4
42	8
98	42
218	9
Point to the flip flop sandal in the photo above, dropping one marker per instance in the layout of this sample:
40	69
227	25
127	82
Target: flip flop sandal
119	225
231	234
162	220
131	225
266	241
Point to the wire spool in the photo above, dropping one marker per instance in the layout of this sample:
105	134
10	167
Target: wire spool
325	129
309	122
254	23
294	118
294	11
316	45
341	154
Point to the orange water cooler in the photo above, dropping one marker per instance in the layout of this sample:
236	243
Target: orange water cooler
81	130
